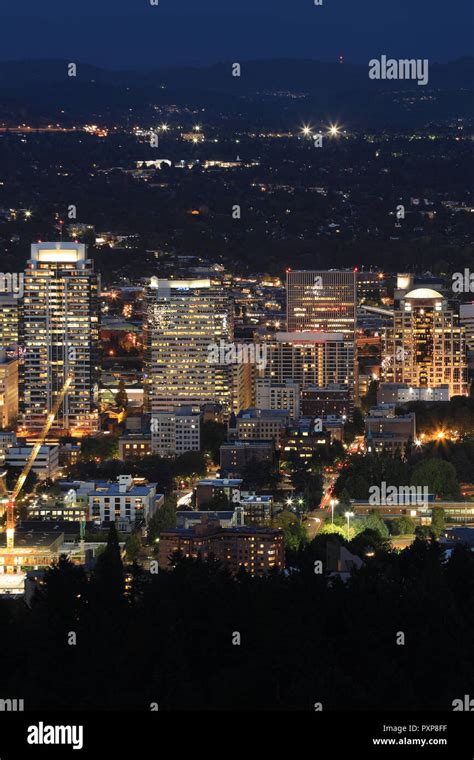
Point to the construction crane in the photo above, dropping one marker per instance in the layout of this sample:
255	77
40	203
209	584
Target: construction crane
26	469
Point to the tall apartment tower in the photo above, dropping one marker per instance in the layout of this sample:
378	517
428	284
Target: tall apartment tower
59	334
183	319
426	346
326	302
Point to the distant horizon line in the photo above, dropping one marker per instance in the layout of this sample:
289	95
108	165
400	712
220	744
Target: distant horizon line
225	61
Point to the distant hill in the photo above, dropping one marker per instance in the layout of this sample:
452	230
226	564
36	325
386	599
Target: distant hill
42	89
309	76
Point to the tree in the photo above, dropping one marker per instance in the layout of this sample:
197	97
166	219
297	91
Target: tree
259	475
219	501
369	540
404	526
370	399
374	522
213	435
189	464
293	530
438	521
438	476
103	447
108	571
163	519
121	398
14	473
133	546
329	528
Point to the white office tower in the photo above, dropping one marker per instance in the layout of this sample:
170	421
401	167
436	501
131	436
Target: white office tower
187	324
59	334
321	301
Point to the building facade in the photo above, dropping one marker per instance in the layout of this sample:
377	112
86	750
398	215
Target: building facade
8	390
46	465
59	333
176	431
426	347
260	425
9	314
123	501
236	456
273	395
183	319
326	301
257	550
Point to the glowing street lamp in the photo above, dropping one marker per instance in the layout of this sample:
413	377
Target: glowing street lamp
306	130
333	503
334	130
348	515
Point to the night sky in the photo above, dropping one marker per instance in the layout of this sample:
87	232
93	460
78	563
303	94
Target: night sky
133	34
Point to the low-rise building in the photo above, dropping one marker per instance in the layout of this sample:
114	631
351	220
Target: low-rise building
46	464
387	433
133	445
305	438
322	402
176	431
273	395
236	456
225	518
211	488
257	550
259	425
459	512
124	501
402	393
257	510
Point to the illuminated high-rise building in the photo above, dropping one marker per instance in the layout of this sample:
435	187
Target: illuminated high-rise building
183	319
426	346
309	359
59	335
325	302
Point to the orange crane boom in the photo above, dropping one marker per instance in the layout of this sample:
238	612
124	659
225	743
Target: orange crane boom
30	462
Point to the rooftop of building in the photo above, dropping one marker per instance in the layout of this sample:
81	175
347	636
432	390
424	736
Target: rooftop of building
34	539
223	482
115	489
252	413
246	444
253	499
50	527
215	529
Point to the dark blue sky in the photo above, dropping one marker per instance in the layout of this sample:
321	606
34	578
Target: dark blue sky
133	34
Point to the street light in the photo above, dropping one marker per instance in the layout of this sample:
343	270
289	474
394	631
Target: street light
289	501
333	503
334	130
348	515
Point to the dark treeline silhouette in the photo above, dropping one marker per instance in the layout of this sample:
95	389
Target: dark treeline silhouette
168	638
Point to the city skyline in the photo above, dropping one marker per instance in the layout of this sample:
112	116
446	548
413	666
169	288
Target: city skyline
236	372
